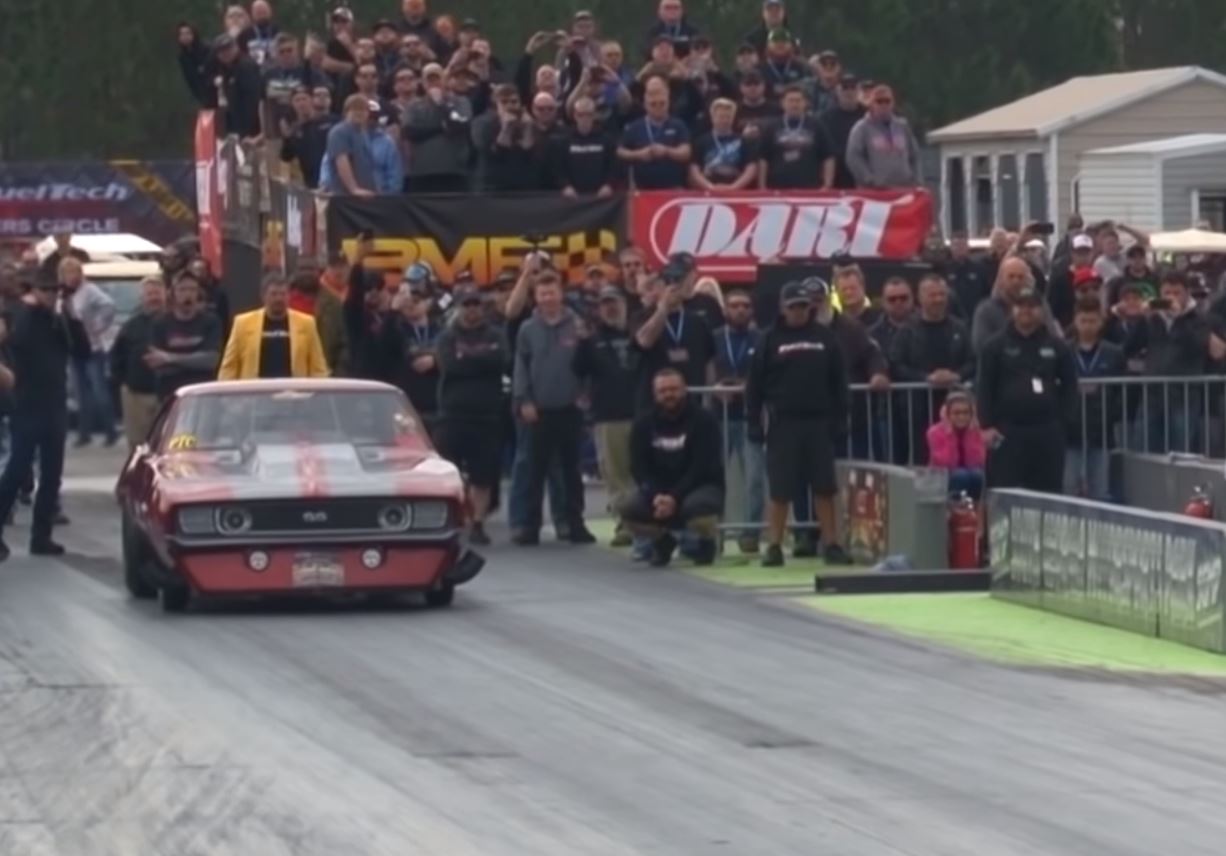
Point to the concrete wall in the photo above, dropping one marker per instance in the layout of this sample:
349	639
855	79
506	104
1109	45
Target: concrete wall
1166	482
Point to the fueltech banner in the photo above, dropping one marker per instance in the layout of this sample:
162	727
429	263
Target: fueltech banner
153	199
730	234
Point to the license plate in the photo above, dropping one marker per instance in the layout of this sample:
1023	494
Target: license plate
312	570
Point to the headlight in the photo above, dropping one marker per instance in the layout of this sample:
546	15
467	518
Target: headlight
430	514
233	520
197	520
395	518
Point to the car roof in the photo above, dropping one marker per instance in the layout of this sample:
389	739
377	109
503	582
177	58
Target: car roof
124	269
272	387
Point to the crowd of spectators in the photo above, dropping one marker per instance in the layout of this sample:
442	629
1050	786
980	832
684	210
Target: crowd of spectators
417	103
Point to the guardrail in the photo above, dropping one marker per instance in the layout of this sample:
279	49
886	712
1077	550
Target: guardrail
1184	415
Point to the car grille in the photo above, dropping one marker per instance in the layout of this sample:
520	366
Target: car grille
331	515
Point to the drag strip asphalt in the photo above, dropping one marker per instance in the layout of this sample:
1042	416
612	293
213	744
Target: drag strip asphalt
568	704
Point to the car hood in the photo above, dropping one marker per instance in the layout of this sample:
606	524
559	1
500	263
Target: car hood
289	471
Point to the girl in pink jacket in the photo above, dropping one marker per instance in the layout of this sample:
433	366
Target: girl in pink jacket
956	444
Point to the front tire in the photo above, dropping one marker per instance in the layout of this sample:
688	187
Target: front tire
440	598
173	599
135	556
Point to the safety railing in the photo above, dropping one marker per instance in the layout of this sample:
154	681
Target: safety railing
1184	415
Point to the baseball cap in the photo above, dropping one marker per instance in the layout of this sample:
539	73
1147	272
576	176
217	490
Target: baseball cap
746	48
766	3
1083	275
611	292
342	12
467	293
779	35
817	287
1083	242
685	261
506	276
225	40
382	24
794	293
470	25
432	68
848	81
583	15
417	272
662	37
828	54
1028	297
595	269
673	272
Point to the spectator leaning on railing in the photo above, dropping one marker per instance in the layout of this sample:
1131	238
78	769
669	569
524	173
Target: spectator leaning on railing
881	150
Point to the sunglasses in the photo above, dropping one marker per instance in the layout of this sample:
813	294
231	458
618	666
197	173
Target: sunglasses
883	102
738	305
898	298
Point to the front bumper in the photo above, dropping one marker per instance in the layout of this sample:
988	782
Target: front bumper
403	567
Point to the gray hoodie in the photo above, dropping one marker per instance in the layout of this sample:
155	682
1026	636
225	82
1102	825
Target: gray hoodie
97	313
544	357
883	153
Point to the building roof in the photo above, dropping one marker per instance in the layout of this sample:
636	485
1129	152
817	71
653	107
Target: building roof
1184	146
1070	103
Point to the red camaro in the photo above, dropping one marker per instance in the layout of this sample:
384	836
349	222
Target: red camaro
291	486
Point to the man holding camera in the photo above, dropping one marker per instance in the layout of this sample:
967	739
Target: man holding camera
46	337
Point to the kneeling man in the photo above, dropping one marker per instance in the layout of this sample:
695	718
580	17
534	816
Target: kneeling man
678	471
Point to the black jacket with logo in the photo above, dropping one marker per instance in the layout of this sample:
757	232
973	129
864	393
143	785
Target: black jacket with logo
1026	380
472	362
674	454
921	347
798	372
608	361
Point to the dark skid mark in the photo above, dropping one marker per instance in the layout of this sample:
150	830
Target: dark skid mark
1199	684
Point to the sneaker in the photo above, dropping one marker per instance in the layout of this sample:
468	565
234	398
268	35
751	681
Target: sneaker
5	552
579	534
621	539
749	545
805	546
46	548
705	552
526	538
834	554
561	531
640	550
773	557
662	550
477	535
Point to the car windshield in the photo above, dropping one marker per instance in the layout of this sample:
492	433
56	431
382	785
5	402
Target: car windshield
236	420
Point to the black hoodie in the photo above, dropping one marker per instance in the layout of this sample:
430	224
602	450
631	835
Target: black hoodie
674	453
838	124
798	372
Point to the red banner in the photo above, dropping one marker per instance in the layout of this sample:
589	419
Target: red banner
208	196
730	234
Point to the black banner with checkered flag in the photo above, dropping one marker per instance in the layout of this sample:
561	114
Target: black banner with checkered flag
479	236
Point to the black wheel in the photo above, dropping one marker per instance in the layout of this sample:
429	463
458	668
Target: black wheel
440	597
173	598
135	556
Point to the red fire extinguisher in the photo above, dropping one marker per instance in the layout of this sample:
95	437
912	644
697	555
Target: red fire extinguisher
1200	505
963	534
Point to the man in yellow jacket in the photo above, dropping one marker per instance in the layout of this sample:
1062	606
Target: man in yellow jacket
273	342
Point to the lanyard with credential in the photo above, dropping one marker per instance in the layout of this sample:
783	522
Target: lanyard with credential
1087	369
675	333
737	357
421	334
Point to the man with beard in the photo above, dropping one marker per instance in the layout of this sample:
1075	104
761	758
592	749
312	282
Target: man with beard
723	159
796	151
212	296
796	400
674	455
992	316
185	343
137	386
1027	390
472	359
46	336
605	361
273	342
781	69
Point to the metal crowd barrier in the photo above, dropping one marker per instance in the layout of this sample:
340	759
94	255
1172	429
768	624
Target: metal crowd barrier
1184	415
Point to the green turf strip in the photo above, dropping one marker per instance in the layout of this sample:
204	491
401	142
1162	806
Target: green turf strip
738	570
1016	634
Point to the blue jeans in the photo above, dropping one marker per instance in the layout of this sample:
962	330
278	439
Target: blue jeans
1088	474
745	465
519	497
966	481
94	410
42	437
